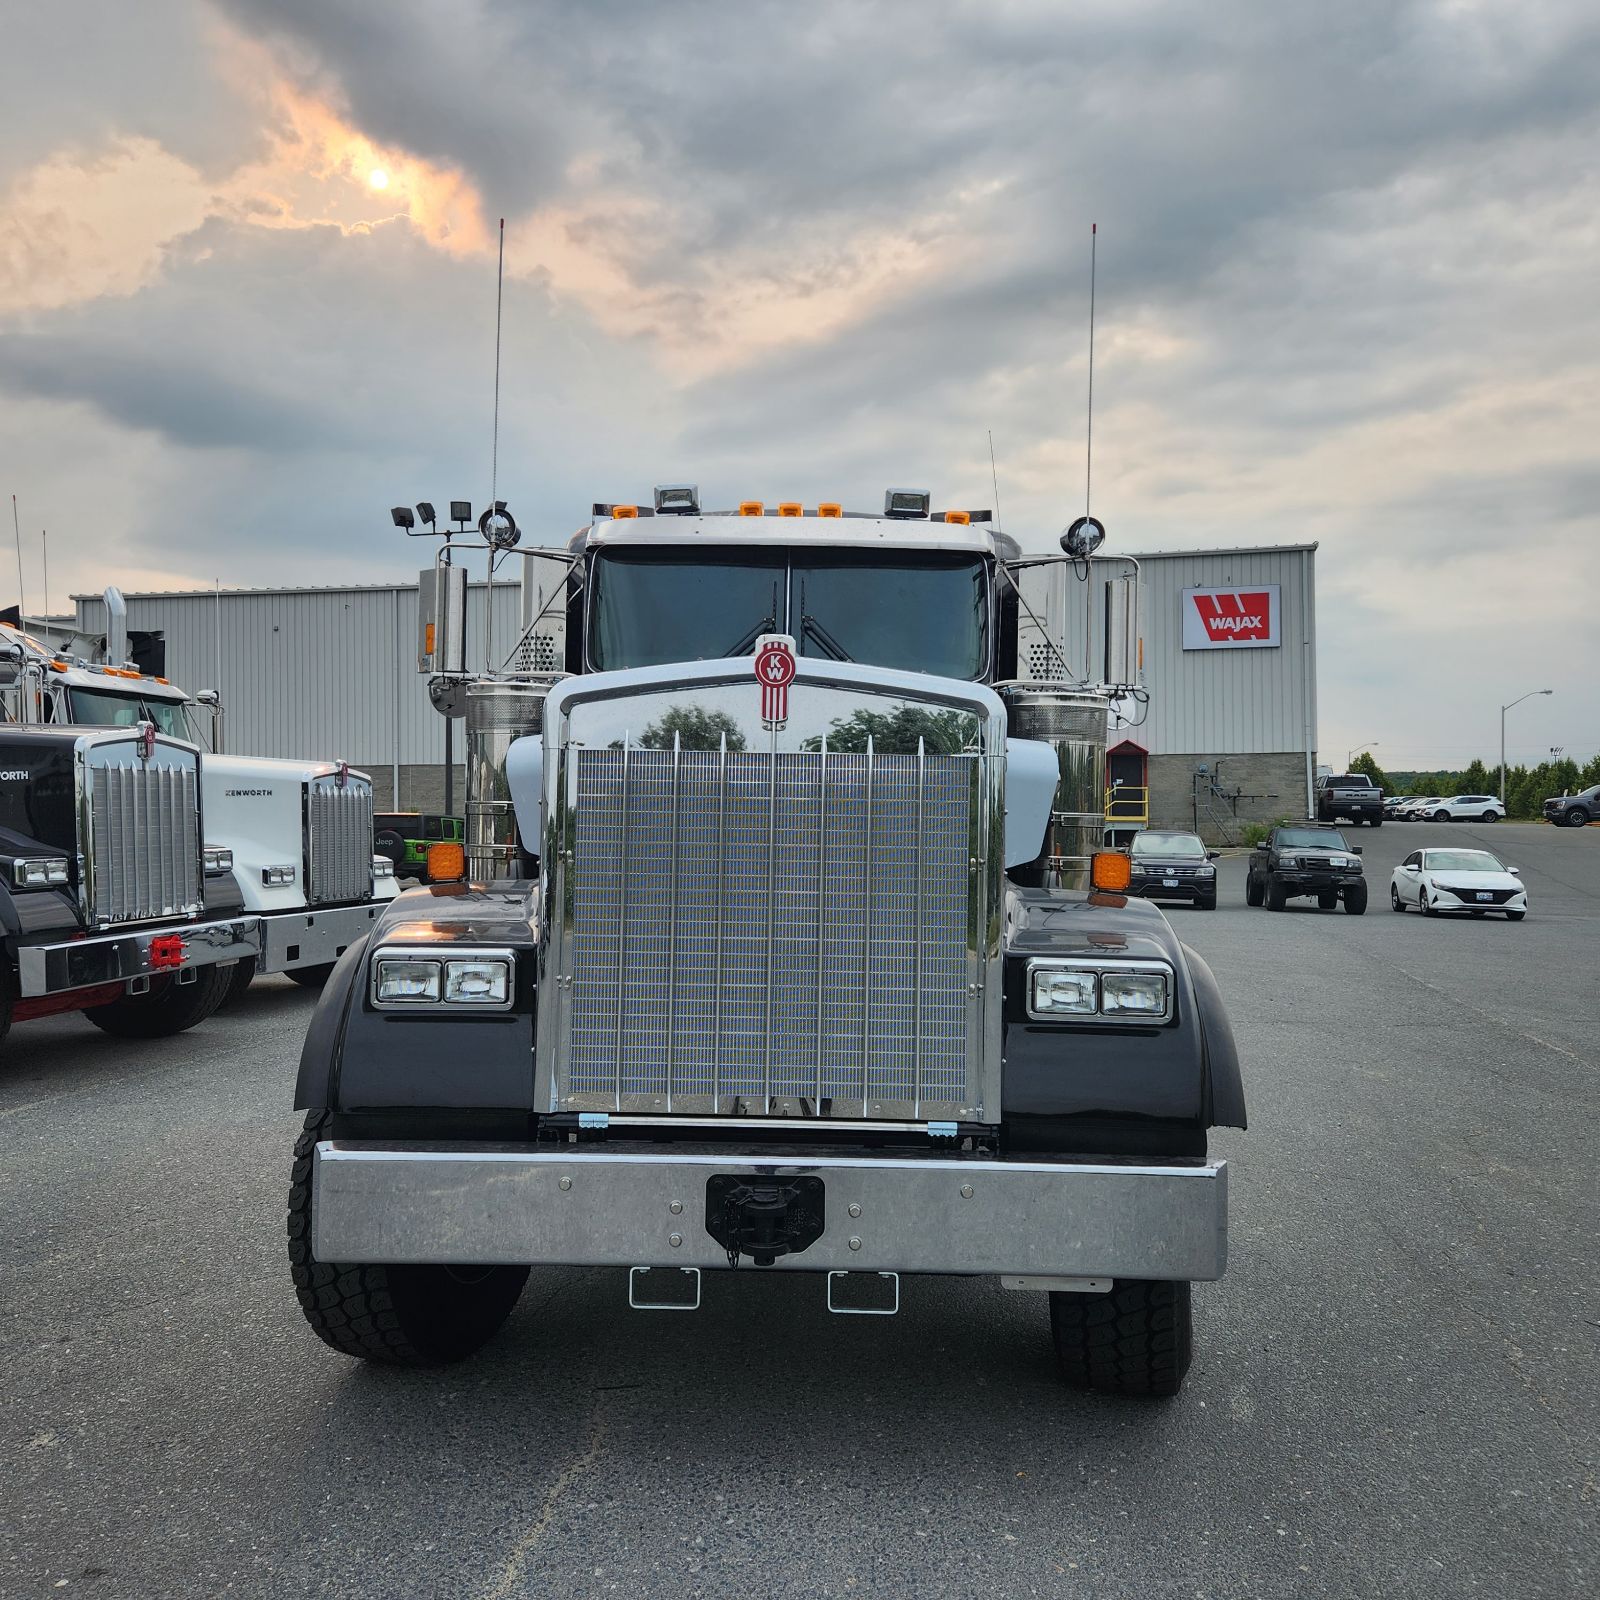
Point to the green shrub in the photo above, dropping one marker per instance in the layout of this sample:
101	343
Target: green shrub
1254	833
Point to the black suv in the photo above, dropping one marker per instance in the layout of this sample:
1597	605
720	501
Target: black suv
1304	858
1573	810
1169	864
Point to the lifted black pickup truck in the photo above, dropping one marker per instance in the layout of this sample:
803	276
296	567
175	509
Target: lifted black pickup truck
1305	859
1350	797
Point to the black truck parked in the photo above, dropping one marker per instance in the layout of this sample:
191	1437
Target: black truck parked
110	902
1306	859
1573	810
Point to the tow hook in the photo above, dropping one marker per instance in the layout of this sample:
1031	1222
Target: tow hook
764	1218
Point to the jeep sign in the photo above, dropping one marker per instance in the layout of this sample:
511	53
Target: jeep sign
1231	619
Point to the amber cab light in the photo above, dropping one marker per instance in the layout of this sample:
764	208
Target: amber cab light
830	508
790	508
622	513
751	508
1111	870
447	863
958	516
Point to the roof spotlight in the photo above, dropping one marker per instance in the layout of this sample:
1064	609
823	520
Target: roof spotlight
461	511
1083	538
906	503
425	512
402	517
680	499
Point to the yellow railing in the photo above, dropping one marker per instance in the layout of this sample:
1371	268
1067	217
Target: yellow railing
1127	806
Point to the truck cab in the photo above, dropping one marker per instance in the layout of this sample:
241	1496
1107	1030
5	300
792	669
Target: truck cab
300	831
773	978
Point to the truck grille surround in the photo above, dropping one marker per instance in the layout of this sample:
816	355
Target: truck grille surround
774	933
338	840
144	844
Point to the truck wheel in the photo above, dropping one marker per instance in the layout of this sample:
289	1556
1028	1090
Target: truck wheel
310	977
1355	899
240	979
167	1008
1253	894
1577	817
1328	899
404	1316
1276	898
1136	1340
1377	822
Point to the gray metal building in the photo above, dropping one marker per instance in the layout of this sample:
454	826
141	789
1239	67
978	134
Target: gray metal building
329	673
1228	645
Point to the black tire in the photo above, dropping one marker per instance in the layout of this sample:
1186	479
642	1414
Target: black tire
1253	892
168	1008
1207	902
310	977
1395	902
1355	899
1424	905
1138	1339
1328	899
1377	822
1577	817
1515	916
1490	816
240	979
1276	898
403	1316
1441	815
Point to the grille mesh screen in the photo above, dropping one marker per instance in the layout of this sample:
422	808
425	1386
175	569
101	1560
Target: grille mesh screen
145	852
792	928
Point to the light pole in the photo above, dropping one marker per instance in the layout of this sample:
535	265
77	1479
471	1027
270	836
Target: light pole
1503	709
1366	744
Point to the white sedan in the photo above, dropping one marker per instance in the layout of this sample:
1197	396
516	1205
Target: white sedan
1466	807
1458	880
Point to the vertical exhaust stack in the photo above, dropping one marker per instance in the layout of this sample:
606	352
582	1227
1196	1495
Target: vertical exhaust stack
1071	719
116	628
498	711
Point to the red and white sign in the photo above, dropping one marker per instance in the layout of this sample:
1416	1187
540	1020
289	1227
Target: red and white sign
1231	619
775	671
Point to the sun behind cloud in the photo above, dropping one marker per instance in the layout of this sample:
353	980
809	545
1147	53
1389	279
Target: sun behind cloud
378	178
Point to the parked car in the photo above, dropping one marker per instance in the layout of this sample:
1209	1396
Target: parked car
1467	808
1574	810
1169	864
1415	807
1349	797
1474	881
1391	807
1304	858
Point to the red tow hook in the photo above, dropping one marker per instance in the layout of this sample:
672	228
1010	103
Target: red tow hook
166	950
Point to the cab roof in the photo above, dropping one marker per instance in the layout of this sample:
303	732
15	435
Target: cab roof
850	531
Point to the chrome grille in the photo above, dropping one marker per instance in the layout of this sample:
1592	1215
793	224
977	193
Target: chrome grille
759	932
144	843
339	840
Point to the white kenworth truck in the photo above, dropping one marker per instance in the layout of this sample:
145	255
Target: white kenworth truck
776	971
300	832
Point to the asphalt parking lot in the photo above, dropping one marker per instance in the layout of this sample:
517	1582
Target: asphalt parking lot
1395	1391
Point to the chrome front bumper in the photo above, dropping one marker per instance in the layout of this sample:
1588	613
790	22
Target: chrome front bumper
291	939
389	1203
44	969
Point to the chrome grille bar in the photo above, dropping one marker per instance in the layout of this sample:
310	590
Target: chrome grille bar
339	840
143	851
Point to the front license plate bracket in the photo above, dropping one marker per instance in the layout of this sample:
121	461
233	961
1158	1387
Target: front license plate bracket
764	1218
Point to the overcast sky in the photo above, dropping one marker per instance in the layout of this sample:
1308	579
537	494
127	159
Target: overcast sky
1348	272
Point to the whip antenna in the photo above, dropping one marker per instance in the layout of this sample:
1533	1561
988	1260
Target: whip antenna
995	476
16	528
1088	447
494	450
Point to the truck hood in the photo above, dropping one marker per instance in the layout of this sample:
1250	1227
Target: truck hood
269	769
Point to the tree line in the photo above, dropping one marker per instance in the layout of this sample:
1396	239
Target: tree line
1527	788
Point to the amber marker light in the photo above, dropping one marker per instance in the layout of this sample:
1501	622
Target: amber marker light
447	863
1111	870
751	508
830	508
622	513
790	508
962	517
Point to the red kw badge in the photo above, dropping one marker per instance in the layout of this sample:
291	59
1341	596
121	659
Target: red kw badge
775	671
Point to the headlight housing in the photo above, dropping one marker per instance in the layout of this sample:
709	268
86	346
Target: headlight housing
277	877
382	867
218	859
444	980
1087	989
39	872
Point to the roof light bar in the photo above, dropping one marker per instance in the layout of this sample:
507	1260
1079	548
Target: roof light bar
907	503
677	499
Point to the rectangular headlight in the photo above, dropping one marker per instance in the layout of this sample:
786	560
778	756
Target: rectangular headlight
218	858
39	872
382	867
1140	995
477	983
1060	991
405	981
277	877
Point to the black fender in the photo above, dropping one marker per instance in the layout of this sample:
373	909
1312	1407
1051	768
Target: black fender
1224	1081
319	1054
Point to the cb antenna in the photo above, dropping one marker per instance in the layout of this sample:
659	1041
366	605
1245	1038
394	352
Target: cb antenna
22	599
494	450
996	477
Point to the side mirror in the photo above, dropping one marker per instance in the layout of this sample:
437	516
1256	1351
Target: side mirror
1212	855
1514	871
1356	849
208	697
10	666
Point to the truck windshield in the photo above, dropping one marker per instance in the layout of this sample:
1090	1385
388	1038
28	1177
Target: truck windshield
928	614
96	709
1186	846
1311	839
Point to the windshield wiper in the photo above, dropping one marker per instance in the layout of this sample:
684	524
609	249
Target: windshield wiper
810	625
747	642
